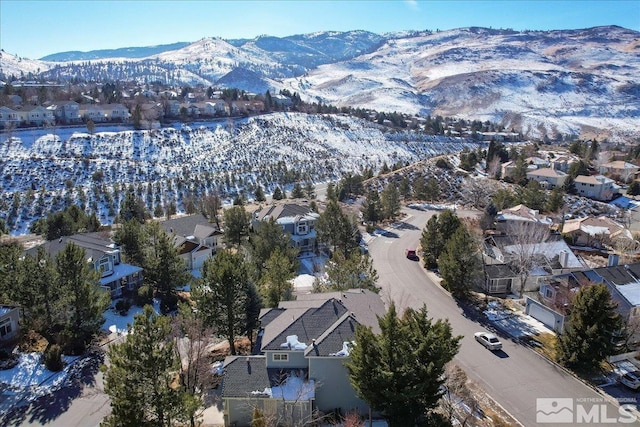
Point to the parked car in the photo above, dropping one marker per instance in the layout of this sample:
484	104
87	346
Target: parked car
488	340
631	380
411	254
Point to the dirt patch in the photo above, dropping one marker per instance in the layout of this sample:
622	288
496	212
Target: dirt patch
32	341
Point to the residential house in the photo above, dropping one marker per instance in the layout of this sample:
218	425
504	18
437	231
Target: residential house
115	276
547	177
298	366
538	162
297	220
214	107
195	238
547	258
620	170
596	187
8	116
597	232
104	112
243	106
281	100
507	168
35	115
557	292
500	279
66	112
9	322
561	163
506	217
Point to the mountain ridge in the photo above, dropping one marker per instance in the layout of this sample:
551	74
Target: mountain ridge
546	83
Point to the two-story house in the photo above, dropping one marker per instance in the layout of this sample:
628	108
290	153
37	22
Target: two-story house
596	187
620	170
115	276
547	177
66	112
195	238
9	322
298	366
556	294
298	221
597	232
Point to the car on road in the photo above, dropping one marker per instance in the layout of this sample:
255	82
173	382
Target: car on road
411	254
488	340
631	379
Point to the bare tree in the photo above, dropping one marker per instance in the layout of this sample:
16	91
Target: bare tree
526	240
210	205
458	403
192	344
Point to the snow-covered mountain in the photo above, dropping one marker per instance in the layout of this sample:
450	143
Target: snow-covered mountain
41	172
542	83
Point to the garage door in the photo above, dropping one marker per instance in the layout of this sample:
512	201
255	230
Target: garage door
542	315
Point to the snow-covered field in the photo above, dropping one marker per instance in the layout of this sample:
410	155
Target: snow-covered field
42	171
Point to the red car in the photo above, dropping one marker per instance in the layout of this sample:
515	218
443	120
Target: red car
411	254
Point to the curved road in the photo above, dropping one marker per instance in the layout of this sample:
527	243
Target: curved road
515	377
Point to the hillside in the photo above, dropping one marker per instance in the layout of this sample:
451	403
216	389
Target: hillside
543	83
46	172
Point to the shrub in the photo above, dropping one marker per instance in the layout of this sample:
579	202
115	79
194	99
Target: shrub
144	296
4	355
123	306
53	358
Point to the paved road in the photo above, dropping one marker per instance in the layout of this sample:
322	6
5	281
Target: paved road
515	377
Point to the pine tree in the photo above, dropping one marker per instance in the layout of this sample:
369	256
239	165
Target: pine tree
555	201
259	194
268	237
277	194
430	244
276	280
296	192
85	302
390	202
165	270
589	335
371	208
352	273
459	263
131	238
221	295
236	225
400	370
140	375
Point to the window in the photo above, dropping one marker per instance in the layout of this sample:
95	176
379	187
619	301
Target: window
548	293
280	357
302	228
5	327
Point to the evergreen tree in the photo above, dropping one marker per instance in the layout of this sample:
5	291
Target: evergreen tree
432	190
85	302
420	189
459	263
276	280
405	188
236	225
533	196
221	295
390	202
400	370
430	243
268	237
310	191
297	192
351	273
254	305
634	188
132	208
593	324
555	201
164	268
132	239
141	373
503	198
277	194
578	168
331	192
371	208
569	185
488	216
336	229
259	194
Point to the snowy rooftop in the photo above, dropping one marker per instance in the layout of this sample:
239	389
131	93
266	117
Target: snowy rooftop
631	292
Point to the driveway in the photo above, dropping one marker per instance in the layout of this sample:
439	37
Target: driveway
515	377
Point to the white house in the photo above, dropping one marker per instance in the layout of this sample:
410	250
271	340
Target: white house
547	177
297	220
596	187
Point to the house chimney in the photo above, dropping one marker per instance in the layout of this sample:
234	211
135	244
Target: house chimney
563	258
612	260
249	366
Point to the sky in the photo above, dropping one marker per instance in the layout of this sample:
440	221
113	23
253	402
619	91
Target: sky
33	29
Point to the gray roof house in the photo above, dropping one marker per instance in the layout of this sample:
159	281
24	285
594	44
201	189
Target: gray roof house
115	276
195	238
297	220
298	365
9	322
556	295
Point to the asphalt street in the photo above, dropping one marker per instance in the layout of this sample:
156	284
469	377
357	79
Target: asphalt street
516	376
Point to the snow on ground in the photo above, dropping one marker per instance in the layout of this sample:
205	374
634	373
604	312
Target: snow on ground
516	324
116	323
30	372
303	282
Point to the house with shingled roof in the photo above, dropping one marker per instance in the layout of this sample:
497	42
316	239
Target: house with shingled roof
297	220
195	238
548	177
297	367
597	187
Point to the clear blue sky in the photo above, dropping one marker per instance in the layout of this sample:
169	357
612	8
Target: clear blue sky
34	29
